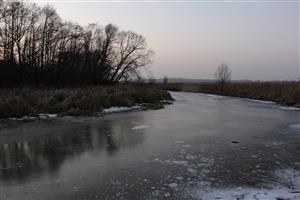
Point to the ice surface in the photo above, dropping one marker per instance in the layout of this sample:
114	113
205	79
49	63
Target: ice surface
288	187
249	194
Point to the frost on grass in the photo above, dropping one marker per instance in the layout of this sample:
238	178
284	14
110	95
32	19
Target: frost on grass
140	127
120	109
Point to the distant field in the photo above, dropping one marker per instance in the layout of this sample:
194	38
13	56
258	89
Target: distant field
286	93
30	101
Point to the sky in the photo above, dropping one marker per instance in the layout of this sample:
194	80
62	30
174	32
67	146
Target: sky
259	40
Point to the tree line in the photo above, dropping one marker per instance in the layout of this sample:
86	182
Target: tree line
38	48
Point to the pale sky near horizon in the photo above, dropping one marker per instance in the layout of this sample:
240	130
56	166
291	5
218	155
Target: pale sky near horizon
258	40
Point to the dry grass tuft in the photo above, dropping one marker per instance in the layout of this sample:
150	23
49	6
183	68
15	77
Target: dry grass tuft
30	101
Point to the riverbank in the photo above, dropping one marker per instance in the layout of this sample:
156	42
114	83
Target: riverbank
79	101
286	93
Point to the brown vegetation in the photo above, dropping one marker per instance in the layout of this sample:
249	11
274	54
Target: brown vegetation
18	102
283	92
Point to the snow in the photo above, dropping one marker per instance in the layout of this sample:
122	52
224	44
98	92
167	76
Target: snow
140	127
213	95
47	116
176	97
25	118
179	162
173	185
193	171
289	108
295	126
260	101
117	109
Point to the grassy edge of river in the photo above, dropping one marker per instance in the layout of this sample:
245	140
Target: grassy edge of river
285	93
79	101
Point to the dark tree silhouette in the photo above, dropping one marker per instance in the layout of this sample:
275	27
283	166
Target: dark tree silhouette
38	47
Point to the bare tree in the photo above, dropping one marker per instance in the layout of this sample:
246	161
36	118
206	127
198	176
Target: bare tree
223	73
36	43
131	55
165	80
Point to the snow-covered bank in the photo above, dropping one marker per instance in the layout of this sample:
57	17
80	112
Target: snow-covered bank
176	96
118	109
260	101
289	108
30	118
47	116
138	127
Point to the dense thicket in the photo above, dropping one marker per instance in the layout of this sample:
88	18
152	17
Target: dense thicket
38	48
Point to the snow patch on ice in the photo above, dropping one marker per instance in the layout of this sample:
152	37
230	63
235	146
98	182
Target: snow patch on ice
176	97
193	171
173	185
25	118
260	101
140	127
119	109
213	95
47	116
289	108
180	162
294	126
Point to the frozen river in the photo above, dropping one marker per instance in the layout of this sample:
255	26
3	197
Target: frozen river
201	147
